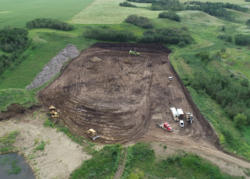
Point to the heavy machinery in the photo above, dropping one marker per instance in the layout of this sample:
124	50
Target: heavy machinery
53	113
133	52
175	114
181	123
189	117
165	126
92	134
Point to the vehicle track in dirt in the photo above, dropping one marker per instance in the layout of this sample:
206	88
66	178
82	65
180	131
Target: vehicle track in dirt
123	97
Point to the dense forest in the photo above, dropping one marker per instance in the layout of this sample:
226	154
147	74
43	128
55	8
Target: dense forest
232	93
13	41
49	23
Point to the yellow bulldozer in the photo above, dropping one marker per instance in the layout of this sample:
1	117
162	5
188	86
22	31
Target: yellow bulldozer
92	134
53	113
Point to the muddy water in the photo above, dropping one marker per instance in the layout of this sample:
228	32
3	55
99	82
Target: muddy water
13	166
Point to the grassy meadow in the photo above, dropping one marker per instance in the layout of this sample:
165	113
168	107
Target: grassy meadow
109	12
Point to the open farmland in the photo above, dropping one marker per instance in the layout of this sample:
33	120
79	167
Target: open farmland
109	12
17	12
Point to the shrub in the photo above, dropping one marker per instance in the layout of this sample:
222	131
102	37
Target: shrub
139	21
167	5
41	146
227	38
167	35
240	120
142	1
127	4
107	34
248	22
49	23
241	39
13	39
170	15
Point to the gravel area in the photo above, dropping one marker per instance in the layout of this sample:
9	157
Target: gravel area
54	66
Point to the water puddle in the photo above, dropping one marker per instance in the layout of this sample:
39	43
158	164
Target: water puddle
13	166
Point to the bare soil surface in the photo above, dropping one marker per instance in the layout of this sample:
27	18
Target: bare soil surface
60	155
54	66
123	97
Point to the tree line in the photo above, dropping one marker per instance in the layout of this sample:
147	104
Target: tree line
176	36
232	93
49	23
217	9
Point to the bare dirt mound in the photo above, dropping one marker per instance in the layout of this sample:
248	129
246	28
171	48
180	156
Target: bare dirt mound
123	96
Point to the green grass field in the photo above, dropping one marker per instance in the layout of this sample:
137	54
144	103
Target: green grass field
18	12
109	12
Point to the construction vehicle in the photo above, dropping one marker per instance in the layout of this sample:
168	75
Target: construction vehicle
92	134
189	117
165	126
175	114
133	52
180	113
181	123
53	113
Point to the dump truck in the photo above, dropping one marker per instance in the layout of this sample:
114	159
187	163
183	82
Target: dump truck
133	52
165	126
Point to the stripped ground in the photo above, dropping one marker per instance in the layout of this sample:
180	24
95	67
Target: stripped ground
123	97
60	155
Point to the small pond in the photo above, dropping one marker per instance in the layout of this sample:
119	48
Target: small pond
13	166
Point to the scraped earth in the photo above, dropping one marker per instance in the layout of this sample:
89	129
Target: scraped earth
123	97
60	155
